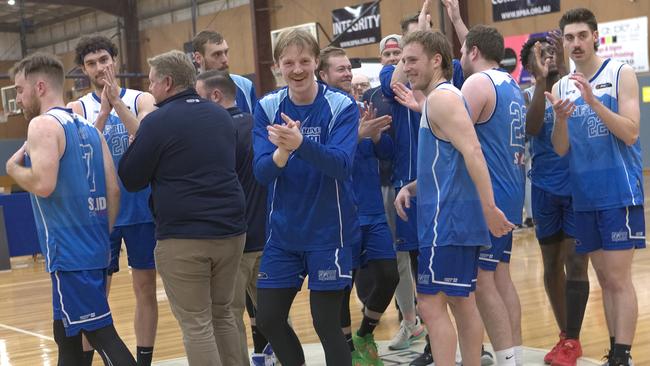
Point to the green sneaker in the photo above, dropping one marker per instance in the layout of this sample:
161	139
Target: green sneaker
368	348
357	359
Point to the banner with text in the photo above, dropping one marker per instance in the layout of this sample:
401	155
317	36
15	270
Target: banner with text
514	9
366	31
625	40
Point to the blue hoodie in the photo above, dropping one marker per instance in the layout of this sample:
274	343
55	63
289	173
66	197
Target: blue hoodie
310	200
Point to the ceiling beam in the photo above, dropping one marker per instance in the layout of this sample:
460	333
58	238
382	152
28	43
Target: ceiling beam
68	16
115	7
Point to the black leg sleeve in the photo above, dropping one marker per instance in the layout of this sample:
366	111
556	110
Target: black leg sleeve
71	351
110	347
273	307
325	310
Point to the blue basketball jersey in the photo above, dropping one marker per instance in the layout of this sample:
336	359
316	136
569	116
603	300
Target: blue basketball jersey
311	204
605	172
134	206
449	210
502	139
72	222
246	97
549	171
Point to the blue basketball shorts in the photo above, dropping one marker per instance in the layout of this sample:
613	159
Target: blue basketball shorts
140	241
449	269
614	229
327	269
79	300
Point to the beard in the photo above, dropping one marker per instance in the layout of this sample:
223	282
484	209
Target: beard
33	109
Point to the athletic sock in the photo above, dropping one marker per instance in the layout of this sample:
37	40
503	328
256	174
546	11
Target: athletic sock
348	340
519	355
144	356
88	357
621	354
612	342
259	340
367	326
506	357
577	294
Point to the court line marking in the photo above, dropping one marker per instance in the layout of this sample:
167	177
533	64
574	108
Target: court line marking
9	327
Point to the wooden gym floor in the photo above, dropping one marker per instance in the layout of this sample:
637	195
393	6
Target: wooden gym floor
25	311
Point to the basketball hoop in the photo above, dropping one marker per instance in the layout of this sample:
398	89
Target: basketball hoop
9	106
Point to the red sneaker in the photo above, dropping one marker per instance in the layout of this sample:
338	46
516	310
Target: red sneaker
568	354
553	352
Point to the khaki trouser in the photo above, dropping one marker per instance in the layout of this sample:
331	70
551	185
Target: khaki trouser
246	283
199	280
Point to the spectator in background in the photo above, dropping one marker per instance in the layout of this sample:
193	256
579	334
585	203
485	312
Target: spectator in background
198	205
360	84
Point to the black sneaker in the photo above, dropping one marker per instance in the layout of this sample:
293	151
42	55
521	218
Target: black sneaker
424	359
486	357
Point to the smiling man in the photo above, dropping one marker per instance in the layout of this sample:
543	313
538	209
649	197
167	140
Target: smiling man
305	138
452	181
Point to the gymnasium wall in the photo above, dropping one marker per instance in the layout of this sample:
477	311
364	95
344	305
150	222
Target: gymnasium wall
235	23
480	12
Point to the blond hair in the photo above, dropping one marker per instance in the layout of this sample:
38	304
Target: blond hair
433	43
295	37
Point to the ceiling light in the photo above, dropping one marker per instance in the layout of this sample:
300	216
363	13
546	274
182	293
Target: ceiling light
11	2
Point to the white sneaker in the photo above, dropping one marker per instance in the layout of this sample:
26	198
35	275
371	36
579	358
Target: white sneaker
406	335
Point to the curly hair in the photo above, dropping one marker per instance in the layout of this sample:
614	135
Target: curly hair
527	48
92	44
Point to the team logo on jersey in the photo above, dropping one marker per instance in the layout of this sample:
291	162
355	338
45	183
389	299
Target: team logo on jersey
604	85
327	275
424	279
312	133
262	276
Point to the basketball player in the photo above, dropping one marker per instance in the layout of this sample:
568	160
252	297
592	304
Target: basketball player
568	291
66	166
211	53
405	100
375	252
117	112
597	125
498	111
453	181
305	137
218	87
